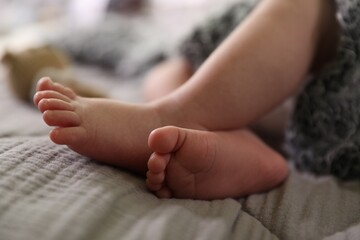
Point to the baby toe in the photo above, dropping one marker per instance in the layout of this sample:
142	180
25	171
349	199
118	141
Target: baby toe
157	162
70	136
153	186
61	118
156	178
46	83
63	90
54	104
47	94
164	192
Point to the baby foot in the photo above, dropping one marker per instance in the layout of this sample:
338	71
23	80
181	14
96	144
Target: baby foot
211	165
103	129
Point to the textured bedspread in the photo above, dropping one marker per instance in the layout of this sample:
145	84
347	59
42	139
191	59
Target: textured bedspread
49	192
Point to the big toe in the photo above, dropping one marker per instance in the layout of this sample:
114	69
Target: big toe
166	139
46	83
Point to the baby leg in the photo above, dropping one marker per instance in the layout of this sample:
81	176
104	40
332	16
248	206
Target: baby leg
247	76
166	77
194	50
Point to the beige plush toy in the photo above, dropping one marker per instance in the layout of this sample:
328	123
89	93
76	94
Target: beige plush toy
25	68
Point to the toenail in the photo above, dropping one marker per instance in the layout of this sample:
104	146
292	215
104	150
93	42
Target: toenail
37	97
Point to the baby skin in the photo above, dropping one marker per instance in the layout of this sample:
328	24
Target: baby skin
185	163
194	142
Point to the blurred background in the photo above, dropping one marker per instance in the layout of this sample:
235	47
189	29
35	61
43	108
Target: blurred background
107	45
23	14
17	13
120	38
